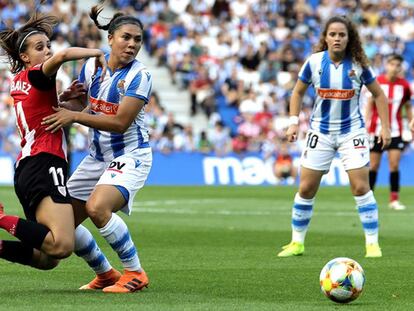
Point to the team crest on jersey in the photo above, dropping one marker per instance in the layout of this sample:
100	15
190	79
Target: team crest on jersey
352	74
62	190
121	87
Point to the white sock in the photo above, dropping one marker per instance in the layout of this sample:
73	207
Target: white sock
86	248
116	233
301	216
368	214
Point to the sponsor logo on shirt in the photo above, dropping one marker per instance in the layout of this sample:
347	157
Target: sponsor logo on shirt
100	105
336	94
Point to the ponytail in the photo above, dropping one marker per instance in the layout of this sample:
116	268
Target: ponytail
14	42
116	21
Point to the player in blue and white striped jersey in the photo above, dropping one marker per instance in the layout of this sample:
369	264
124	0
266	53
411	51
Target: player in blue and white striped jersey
337	70
105	97
120	157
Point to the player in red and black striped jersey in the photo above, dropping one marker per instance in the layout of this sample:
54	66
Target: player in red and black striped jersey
40	178
398	92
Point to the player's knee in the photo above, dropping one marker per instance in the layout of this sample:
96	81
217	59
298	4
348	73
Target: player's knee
63	249
43	261
49	264
98	213
394	167
360	189
307	191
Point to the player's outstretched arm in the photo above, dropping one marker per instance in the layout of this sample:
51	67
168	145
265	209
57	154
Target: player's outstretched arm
52	65
117	123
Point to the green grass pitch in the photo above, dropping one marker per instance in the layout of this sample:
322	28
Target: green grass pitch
214	248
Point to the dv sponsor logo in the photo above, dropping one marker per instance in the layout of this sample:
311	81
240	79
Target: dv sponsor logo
359	143
116	166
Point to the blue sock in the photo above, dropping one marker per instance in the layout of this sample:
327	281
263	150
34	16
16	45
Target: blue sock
116	233
86	247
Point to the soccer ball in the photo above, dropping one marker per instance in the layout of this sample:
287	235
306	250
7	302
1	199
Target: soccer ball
342	280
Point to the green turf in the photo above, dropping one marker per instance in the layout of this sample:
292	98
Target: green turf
214	248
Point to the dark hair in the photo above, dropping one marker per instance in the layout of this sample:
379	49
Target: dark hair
354	47
117	20
14	42
394	56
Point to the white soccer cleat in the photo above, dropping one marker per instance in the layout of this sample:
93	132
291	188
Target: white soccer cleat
396	205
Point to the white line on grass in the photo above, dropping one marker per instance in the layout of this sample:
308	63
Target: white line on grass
224	212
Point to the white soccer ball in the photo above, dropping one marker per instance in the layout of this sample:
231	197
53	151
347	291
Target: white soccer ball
342	280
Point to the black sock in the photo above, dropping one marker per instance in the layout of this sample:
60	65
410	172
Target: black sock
16	251
395	181
372	179
31	233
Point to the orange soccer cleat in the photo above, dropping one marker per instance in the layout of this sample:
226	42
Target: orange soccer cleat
103	280
130	281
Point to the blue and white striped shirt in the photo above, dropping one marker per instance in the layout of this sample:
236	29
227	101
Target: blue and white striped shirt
336	109
105	97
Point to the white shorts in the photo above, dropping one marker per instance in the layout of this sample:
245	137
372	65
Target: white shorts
129	171
353	150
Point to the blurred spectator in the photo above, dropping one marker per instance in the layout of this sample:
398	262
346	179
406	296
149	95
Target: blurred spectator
220	139
203	144
238	60
283	167
202	92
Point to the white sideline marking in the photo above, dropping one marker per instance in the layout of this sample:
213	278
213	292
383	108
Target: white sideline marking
178	202
178	211
198	212
166	207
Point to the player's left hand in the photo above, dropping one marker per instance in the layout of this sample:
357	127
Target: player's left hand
61	118
384	138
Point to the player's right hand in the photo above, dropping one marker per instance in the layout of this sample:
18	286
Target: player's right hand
75	90
384	138
292	133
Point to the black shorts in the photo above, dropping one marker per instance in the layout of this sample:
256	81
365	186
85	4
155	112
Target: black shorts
396	143
38	177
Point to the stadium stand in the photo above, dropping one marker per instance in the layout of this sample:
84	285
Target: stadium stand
223	69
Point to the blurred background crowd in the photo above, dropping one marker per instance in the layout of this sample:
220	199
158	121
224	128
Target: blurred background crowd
237	60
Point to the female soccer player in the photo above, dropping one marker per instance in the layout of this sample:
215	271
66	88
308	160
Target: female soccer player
40	176
337	71
399	94
120	157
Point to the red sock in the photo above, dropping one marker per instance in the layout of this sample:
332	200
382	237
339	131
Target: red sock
9	223
394	196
